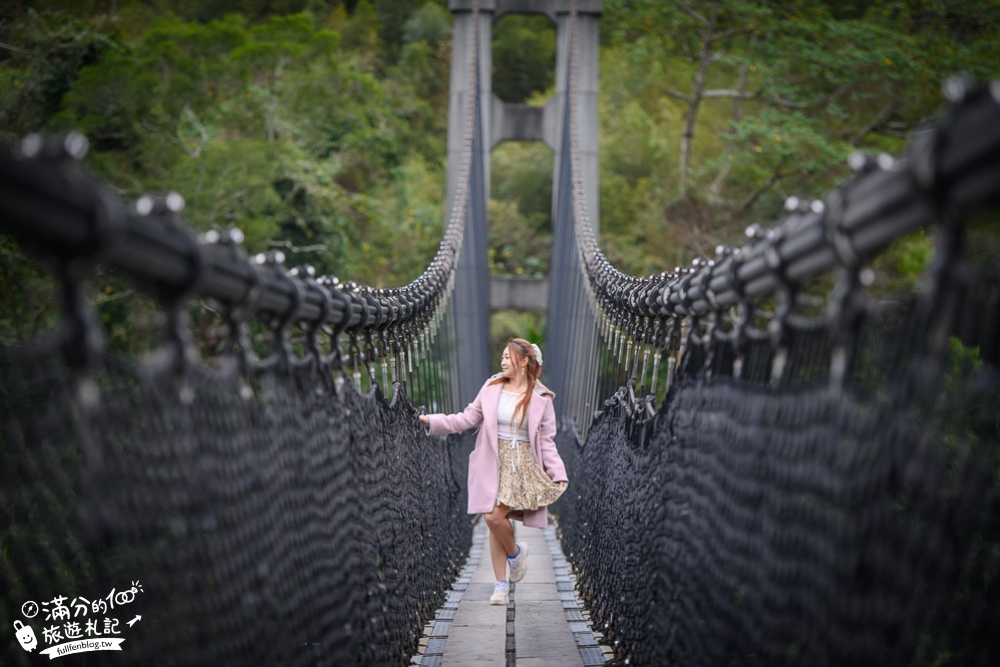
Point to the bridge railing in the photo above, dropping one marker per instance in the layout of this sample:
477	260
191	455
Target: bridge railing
251	507
773	465
54	207
644	323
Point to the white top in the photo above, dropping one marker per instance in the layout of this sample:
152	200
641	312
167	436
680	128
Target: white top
506	423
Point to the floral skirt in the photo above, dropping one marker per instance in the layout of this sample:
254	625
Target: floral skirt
523	484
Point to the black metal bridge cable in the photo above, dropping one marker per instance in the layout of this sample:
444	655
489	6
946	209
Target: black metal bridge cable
577	342
450	340
581	342
423	369
447	341
443	340
589	341
585	362
574	340
447	380
590	381
427	367
617	350
430	355
440	343
604	368
434	380
440	338
429	377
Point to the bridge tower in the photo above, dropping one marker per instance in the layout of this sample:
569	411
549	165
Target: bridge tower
501	121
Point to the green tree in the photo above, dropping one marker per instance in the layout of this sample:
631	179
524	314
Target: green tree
524	51
429	23
273	127
516	246
40	61
760	101
394	23
425	58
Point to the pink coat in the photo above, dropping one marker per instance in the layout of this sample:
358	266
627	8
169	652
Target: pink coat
484	472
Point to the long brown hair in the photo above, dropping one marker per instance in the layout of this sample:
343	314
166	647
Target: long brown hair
521	349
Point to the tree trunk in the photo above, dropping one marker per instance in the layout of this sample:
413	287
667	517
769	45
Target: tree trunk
696	96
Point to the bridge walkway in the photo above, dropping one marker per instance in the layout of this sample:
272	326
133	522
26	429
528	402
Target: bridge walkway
543	625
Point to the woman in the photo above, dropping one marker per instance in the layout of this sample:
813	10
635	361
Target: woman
515	469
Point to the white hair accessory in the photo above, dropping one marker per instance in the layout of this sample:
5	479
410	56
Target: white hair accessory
538	353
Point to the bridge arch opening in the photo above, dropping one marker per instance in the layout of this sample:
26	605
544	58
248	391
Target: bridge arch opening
520	241
521	167
524	58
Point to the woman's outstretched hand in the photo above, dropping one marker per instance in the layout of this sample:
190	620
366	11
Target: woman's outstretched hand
424	420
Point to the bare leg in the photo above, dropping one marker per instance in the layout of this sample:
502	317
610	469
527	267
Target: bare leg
501	539
499	557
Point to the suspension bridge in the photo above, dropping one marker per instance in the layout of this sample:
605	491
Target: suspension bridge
754	480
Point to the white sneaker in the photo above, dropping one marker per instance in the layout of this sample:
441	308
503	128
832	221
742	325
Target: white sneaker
499	593
519	565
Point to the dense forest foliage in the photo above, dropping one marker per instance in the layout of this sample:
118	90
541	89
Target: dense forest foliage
318	126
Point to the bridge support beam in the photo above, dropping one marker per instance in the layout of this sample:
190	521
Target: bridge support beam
519	293
520	122
471	299
499	121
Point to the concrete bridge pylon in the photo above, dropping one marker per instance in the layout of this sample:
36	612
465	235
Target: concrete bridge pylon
500	121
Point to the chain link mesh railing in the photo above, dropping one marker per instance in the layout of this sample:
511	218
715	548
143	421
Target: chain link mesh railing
248	508
785	473
277	528
809	525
